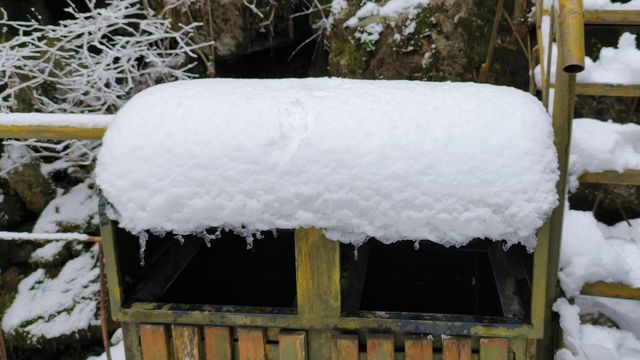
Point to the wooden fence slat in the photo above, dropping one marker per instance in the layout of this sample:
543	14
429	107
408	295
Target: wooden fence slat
217	343
153	341
186	342
345	347
380	347
494	349
465	349
3	351
417	347
450	349
292	345
251	344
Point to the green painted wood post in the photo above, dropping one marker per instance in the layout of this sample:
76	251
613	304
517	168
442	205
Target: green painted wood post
318	287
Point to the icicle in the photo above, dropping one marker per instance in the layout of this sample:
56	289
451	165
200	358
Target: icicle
142	240
249	239
207	238
180	238
416	245
355	251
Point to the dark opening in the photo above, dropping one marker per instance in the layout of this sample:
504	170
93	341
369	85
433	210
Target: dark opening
434	279
225	273
228	273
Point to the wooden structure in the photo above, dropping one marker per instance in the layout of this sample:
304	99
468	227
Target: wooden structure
324	319
627	18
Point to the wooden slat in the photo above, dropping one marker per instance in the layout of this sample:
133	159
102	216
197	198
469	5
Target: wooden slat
217	343
494	349
251	344
50	132
131	339
345	347
456	349
186	342
153	341
417	347
3	350
608	90
629	177
612	290
379	347
612	17
292	345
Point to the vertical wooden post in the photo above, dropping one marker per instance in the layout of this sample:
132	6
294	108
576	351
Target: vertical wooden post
345	347
251	344
318	287
131	339
570	55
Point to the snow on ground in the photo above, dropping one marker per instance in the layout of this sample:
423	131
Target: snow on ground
592	251
619	65
116	350
54	306
40	119
390	159
610	5
77	208
601	4
592	342
598	146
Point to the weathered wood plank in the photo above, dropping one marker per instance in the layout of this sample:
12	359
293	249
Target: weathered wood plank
131	339
465	349
612	290
292	345
494	349
251	344
317	275
153	341
186	342
217	343
418	347
629	177
380	347
345	347
456	349
450	349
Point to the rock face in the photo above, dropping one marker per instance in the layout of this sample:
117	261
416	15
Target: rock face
445	40
236	27
35	189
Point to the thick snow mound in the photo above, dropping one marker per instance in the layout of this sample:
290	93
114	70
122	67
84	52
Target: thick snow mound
592	251
598	146
388	159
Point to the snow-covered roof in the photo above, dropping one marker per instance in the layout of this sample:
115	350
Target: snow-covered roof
393	160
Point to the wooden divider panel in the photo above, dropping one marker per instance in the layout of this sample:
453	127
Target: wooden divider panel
251	344
494	349
380	347
456	349
217	343
153	341
186	342
345	347
292	345
418	347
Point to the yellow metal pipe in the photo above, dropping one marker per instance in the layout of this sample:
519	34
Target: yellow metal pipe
571	35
